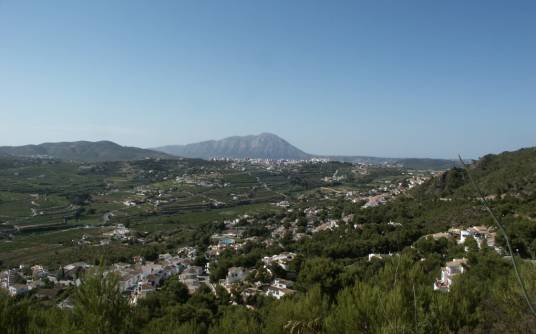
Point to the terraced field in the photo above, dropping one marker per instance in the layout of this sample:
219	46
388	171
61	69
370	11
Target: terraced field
54	211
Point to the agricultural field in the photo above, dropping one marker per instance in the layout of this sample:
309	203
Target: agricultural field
56	211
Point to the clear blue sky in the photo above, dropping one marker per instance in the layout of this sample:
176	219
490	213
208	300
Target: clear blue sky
384	78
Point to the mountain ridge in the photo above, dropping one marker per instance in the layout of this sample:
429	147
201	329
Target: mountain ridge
277	148
263	146
84	151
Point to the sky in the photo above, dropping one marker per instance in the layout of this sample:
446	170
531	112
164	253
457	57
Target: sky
381	78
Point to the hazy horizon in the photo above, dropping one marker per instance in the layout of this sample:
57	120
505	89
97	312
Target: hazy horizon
388	79
251	134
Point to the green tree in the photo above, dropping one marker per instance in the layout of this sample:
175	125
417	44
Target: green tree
236	319
301	314
322	272
99	307
14	315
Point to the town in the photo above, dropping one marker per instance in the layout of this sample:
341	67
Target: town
272	275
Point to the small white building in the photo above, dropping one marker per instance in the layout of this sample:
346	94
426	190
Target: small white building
278	293
141	290
451	270
17	289
283	260
282	283
379	256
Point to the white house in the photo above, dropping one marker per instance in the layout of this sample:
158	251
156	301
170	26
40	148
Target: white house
482	234
282	283
378	256
278	293
17	289
283	259
452	269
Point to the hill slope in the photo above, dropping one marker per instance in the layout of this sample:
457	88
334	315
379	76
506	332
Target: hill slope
507	180
263	146
82	151
507	174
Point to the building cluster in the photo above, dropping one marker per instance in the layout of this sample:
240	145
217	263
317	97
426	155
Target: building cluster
239	278
119	232
21	280
387	190
484	237
141	277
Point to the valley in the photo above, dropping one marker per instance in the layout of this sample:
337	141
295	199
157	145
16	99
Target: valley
43	201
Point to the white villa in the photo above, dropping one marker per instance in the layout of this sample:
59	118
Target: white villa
451	270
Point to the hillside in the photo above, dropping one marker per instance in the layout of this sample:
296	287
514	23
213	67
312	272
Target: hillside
263	146
509	174
507	180
84	151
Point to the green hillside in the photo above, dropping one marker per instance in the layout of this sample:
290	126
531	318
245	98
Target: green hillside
505	174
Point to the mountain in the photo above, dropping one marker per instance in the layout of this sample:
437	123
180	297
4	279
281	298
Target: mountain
270	146
84	151
263	146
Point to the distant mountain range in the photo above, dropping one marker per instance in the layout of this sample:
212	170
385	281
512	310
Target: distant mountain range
83	151
270	146
263	146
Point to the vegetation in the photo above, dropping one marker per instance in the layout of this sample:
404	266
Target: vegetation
339	289
394	298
